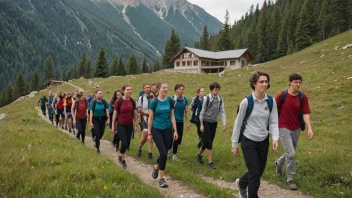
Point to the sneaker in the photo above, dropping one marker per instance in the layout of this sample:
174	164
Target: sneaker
199	158
292	185
150	156
211	165
123	164
119	159
242	192
278	170
155	172
139	153
174	158
162	183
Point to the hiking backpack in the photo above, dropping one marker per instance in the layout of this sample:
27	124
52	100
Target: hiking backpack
77	104
171	101
60	104
194	115
300	115
106	105
249	110
200	104
119	106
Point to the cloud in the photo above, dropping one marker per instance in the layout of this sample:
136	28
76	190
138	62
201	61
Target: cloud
217	8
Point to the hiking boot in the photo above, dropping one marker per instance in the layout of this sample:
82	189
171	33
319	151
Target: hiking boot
162	183
174	158
69	130
123	164
155	172
119	159
150	156
292	185
211	165
241	192
199	158
278	170
139	153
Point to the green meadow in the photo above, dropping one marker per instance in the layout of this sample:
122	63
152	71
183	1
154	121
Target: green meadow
323	164
40	161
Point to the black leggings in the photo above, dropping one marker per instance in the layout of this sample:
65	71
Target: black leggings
208	135
81	126
98	130
125	134
179	127
199	135
43	109
163	141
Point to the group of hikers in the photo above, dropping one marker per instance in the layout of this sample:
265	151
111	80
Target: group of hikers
162	120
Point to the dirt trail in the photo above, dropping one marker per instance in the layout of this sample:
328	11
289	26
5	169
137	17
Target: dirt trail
177	188
144	171
266	189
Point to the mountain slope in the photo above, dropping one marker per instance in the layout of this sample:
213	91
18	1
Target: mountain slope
30	30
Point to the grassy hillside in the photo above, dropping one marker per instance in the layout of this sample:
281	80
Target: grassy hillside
37	160
323	164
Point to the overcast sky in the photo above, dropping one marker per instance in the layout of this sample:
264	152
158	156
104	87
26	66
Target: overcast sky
217	8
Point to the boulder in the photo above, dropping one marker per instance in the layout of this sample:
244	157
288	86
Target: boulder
3	116
347	46
33	93
337	48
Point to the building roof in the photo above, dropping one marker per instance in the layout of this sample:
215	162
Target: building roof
230	54
54	81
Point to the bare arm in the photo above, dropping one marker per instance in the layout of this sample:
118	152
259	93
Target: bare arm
150	122
306	119
173	120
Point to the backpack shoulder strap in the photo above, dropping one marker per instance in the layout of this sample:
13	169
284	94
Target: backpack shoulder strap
155	104
250	105
300	94
94	104
134	103
270	103
172	102
119	103
220	103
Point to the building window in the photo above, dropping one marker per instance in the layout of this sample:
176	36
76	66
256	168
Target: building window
232	63
205	63
195	63
183	63
189	63
177	64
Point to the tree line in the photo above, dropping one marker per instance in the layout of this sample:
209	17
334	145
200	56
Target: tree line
281	28
83	69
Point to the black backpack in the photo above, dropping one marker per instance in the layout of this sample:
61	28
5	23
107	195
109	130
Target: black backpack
106	105
249	110
195	116
119	106
300	115
171	101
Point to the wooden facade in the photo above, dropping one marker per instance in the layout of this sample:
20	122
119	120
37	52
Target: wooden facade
53	83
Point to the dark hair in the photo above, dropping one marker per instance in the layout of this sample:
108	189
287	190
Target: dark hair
145	84
214	85
98	89
198	90
62	96
125	86
114	98
177	86
80	94
295	76
253	80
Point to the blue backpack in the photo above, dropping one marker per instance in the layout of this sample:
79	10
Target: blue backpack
249	110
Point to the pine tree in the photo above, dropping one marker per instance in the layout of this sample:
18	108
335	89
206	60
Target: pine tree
64	76
156	66
145	66
172	47
49	68
262	34
132	65
7	95
204	40
114	67
304	26
35	81
121	70
20	86
88	68
225	41
349	14
101	69
274	30
81	66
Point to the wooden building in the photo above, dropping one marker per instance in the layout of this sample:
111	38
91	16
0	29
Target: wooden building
191	60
